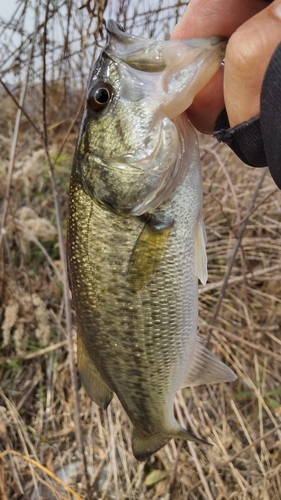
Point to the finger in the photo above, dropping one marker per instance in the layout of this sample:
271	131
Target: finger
203	18
207	105
207	18
247	56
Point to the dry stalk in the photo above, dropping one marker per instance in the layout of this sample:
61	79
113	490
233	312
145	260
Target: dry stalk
40	246
63	258
39	352
251	445
42	468
223	168
191	446
241	340
234	253
50	487
246	432
238	279
113	451
23	438
16	129
20	107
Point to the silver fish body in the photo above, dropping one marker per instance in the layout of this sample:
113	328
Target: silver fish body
136	242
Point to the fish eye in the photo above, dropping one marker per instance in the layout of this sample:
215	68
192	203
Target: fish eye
99	96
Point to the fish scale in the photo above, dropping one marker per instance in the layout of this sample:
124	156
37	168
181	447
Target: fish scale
134	271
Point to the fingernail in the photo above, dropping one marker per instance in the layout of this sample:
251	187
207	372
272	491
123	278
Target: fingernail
276	9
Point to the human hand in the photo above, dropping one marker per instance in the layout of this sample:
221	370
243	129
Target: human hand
254	28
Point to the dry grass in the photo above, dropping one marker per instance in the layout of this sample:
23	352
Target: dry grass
39	450
242	421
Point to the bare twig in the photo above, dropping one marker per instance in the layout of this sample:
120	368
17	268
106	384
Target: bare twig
173	476
41	467
224	169
192	449
113	452
16	131
238	279
40	246
247	448
69	129
237	339
32	355
20	108
63	260
234	253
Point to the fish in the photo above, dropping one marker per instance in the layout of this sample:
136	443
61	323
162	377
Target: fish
136	237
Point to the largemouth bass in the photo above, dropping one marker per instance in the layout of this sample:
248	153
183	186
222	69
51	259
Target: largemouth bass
136	240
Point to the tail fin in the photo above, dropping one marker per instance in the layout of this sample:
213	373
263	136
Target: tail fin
145	445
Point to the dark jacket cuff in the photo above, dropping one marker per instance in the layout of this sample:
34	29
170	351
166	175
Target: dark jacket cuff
257	141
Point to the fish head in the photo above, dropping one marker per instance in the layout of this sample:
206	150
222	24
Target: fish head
129	153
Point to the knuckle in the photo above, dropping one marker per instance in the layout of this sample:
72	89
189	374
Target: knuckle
244	48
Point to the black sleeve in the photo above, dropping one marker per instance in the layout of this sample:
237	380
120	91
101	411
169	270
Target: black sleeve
257	141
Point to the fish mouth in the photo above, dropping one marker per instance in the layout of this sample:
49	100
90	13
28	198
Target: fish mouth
117	31
138	52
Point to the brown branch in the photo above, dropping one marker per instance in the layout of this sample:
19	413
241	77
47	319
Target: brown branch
254	443
69	129
21	108
50	487
32	355
16	133
234	253
40	246
238	279
236	339
63	258
42	468
3	489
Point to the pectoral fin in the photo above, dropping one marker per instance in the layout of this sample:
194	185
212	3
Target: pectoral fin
145	445
200	252
95	387
206	368
148	253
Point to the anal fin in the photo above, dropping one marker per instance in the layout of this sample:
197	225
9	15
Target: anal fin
206	368
95	387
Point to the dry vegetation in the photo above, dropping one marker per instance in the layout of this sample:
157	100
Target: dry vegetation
42	454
